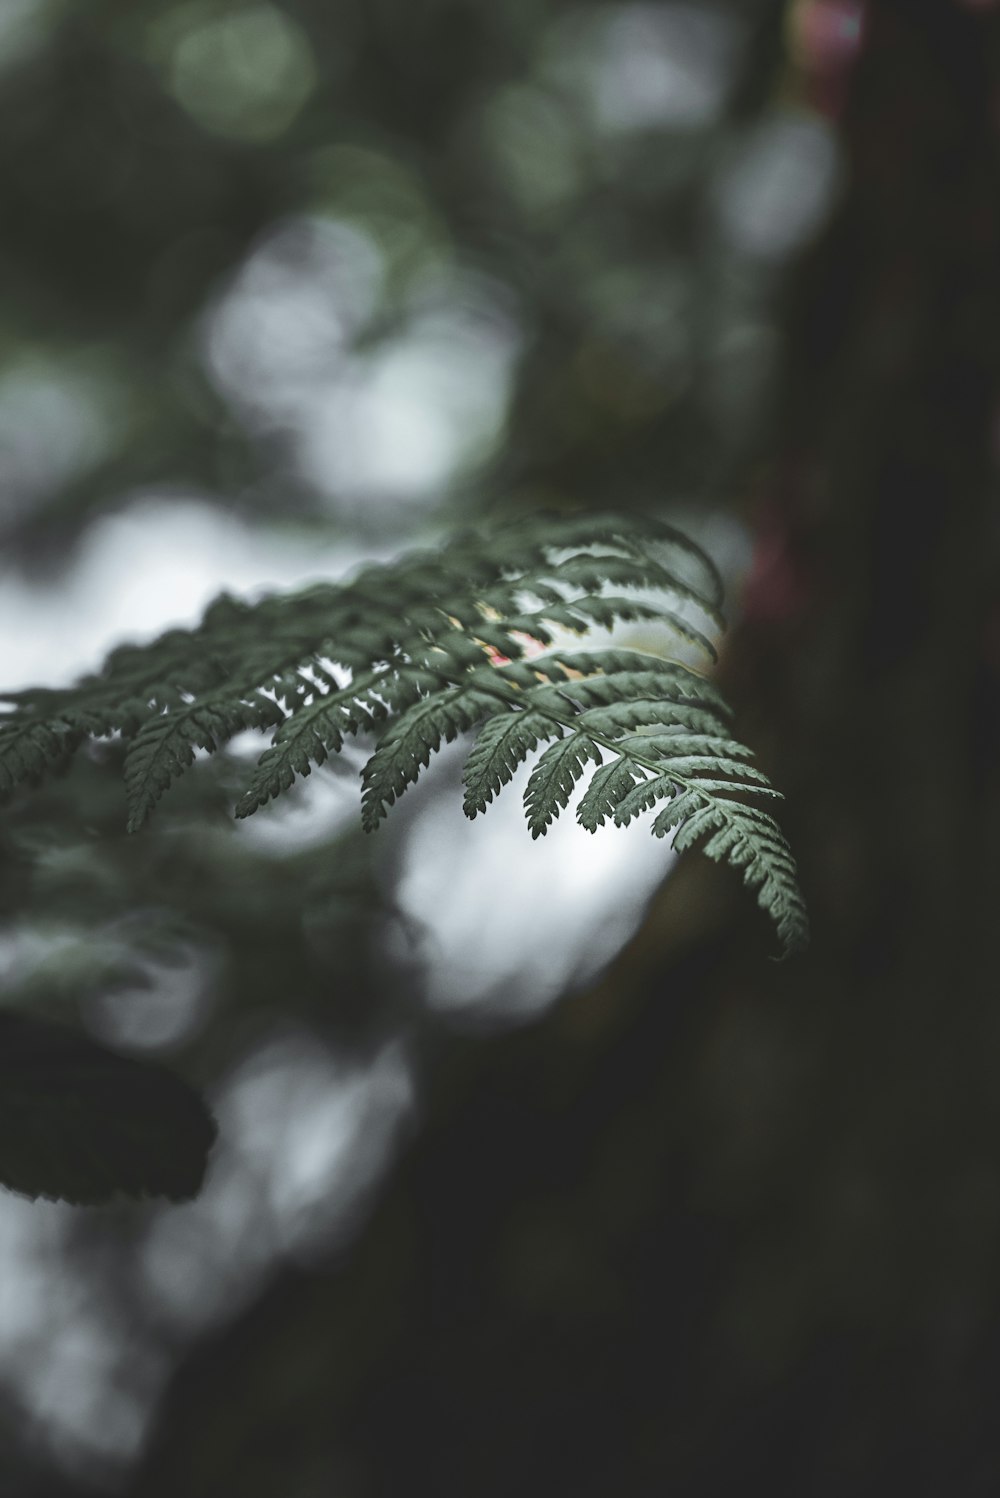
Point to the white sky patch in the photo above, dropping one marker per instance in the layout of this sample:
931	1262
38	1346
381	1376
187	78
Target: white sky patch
390	422
505	922
405	418
320	806
776	190
55	424
304	1137
664	65
289	314
93	1390
164	1007
646	67
57	1351
156	564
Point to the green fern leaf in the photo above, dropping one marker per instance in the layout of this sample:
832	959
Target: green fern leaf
648	712
596	571
608	787
766	865
407	747
741	835
304	739
469	642
165	745
645	795
554	777
609	611
504	743
691	766
309	736
30	748
605	669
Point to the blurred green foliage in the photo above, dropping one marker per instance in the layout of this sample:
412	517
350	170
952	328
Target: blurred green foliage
710	1224
529	148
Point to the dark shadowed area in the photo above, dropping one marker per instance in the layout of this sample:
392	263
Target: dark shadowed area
533	1173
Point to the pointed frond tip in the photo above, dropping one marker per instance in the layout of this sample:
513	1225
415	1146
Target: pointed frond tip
477	634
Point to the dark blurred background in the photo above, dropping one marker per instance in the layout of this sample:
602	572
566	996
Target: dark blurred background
535	1174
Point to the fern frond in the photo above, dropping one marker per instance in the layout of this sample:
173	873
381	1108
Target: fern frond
318	729
753	843
165	745
503	743
607	789
406	748
554	778
678	683
412	654
30	749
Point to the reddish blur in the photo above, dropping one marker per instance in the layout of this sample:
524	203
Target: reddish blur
825	40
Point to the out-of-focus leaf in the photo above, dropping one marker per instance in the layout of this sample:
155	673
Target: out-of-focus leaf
82	1123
